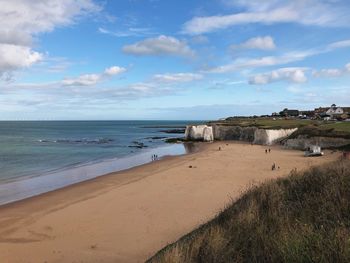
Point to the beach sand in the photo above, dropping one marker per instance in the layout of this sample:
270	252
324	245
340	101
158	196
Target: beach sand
128	216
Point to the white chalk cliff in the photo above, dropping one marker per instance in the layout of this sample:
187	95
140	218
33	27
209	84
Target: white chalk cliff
268	137
251	134
199	133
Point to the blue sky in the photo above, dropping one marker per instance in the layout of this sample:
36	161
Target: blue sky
161	59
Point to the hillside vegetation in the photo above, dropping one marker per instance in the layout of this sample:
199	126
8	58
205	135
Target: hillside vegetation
302	218
270	123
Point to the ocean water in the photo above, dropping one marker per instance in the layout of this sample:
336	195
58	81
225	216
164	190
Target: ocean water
50	150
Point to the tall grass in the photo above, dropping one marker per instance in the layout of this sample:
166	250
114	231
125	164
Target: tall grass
302	218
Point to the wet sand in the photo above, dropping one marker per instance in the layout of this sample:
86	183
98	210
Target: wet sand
128	216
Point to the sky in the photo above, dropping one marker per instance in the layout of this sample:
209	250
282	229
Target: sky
171	60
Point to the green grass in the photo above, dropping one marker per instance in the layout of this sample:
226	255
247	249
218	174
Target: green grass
268	123
302	218
339	126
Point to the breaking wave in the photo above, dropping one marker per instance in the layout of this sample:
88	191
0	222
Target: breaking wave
79	141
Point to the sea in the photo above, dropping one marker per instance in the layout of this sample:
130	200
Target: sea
41	156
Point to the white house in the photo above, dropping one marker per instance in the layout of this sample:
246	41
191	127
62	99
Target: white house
334	111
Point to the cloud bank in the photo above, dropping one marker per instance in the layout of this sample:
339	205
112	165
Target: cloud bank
22	21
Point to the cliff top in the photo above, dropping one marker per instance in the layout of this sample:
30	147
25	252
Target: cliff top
270	123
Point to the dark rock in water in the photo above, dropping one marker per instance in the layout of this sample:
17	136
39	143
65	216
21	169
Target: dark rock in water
177	131
156	138
138	145
80	141
174	140
164	127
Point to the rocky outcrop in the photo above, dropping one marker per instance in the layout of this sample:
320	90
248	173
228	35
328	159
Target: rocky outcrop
302	142
199	133
268	137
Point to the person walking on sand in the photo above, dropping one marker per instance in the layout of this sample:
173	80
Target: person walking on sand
269	150
265	150
273	167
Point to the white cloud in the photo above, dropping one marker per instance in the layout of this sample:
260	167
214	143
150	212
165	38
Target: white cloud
306	12
332	73
177	77
130	32
240	64
33	17
263	43
23	20
83	80
15	56
295	75
347	67
294	56
340	44
115	70
161	45
328	73
93	79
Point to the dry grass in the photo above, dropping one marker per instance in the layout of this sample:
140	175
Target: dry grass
301	218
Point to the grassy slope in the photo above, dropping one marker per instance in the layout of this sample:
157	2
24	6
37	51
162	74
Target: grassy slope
301	218
340	126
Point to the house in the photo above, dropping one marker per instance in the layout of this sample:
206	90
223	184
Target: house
307	113
334	111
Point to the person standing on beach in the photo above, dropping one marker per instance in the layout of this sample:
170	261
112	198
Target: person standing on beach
273	167
269	150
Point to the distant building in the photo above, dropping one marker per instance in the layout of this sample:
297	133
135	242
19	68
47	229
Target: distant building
289	113
307	113
334	111
321	111
346	110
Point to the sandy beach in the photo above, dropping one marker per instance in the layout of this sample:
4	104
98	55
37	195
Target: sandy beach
128	216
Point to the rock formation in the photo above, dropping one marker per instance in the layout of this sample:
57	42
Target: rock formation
199	133
268	137
303	142
222	133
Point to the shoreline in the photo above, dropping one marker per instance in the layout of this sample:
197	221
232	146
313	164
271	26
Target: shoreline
129	215
29	186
